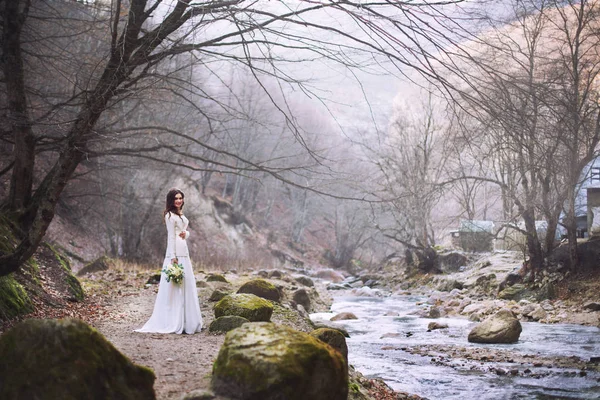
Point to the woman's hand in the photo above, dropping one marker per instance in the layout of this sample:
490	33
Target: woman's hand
174	261
182	235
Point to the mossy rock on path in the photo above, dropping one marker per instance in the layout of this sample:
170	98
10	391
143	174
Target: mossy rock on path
272	362
67	360
13	298
261	288
244	305
227	323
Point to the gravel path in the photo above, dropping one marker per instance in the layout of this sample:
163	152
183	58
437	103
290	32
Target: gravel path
182	363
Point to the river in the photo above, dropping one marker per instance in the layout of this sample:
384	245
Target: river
383	340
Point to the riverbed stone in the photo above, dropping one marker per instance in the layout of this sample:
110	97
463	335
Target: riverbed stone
343	316
304	280
432	326
302	297
538	314
272	362
502	327
592	306
66	359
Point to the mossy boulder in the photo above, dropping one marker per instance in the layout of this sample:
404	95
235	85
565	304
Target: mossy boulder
99	264
13	298
67	360
334	338
244	305
272	362
218	294
216	278
261	288
227	323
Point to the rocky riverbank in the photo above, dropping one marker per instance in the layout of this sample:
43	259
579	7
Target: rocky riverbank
486	285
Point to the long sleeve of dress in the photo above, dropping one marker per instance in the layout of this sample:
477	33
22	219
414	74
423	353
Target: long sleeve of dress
170	222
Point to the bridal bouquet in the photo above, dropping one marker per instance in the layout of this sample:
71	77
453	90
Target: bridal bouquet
174	272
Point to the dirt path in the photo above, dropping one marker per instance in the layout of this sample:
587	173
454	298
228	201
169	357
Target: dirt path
182	363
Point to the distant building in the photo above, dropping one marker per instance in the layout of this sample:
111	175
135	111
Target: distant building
474	236
587	201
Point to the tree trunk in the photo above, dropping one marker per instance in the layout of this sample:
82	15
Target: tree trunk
21	182
534	247
571	225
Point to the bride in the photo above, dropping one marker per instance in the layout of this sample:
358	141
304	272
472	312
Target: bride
176	309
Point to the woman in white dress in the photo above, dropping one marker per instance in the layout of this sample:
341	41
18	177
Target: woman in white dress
176	309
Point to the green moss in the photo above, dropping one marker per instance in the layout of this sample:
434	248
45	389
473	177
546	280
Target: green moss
31	270
244	305
67	359
13	298
353	387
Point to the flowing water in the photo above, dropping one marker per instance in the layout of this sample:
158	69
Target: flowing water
390	358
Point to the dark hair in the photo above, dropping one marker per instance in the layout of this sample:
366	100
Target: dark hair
170	207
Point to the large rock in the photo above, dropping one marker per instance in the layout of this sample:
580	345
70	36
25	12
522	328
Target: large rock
67	360
502	327
272	362
334	338
302	297
244	305
261	288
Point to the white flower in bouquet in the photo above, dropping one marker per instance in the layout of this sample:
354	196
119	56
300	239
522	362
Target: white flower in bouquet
174	272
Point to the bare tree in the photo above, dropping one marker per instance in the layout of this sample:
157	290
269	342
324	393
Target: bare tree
411	164
139	44
530	88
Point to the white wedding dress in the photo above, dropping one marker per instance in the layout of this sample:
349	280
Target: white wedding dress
177	309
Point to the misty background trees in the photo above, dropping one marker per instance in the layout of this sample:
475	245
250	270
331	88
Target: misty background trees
106	104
